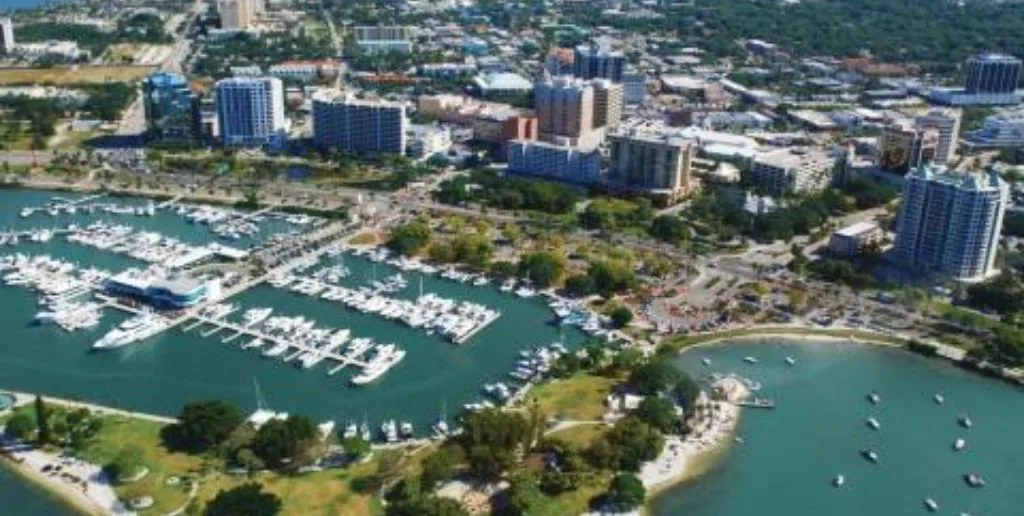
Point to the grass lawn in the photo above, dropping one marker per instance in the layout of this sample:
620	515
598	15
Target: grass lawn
578	398
73	75
578	501
322	492
580	435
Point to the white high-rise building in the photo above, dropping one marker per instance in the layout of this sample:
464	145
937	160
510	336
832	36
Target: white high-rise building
949	222
250	111
346	123
6	35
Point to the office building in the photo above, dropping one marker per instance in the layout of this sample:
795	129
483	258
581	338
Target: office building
594	62
949	222
792	171
947	123
993	73
607	103
903	148
382	39
172	108
1005	129
502	85
634	88
553	162
854	238
651	159
346	123
519	127
250	111
564	106
235	14
6	35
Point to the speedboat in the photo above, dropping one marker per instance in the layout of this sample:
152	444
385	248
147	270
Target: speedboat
405	430
706	361
974	480
790	361
874	398
869	455
931	505
873	423
939	399
839	481
959	444
964	421
750	360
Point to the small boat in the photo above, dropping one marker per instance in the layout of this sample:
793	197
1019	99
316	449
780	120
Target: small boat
874	398
873	423
706	361
790	361
405	430
974	480
959	444
351	430
931	505
839	481
738	440
939	399
750	360
964	421
869	455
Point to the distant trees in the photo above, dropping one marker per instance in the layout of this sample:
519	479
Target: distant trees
356	447
201	426
669	228
246	499
440	465
43	433
279	442
658	412
409	239
626	493
543	268
490	439
489	188
621	316
627	445
20	426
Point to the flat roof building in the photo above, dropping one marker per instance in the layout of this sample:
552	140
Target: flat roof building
854	238
250	111
349	124
651	159
792	171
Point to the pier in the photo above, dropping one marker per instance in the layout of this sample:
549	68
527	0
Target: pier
169	202
761	403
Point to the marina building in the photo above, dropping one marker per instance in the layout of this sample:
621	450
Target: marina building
564	106
594	62
554	162
949	222
165	294
651	159
342	121
171	107
250	111
792	171
381	39
6	35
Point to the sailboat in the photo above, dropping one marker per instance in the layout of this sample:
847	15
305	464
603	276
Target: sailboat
262	414
441	424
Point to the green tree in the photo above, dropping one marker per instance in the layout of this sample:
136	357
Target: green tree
20	426
43	436
279	442
626	493
524	495
356	447
627	445
669	228
658	412
580	285
654	377
621	316
201	426
440	465
543	268
244	500
490	439
248	459
409	239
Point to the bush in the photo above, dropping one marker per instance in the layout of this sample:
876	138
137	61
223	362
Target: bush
621	316
247	500
580	285
20	426
626	493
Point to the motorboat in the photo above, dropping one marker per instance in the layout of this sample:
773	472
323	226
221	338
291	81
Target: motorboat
873	423
838	481
750	360
964	421
790	361
255	316
931	505
939	399
405	430
874	398
351	430
959	444
869	455
706	361
974	480
138	328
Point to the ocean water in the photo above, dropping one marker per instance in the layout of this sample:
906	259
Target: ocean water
791	454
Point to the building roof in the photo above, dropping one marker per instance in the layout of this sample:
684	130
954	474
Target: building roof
503	81
857	229
790	158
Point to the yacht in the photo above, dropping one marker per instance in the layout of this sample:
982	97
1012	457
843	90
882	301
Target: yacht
351	430
974	480
869	455
750	360
939	399
390	431
525	292
790	361
364	432
508	285
873	423
276	350
138	328
964	421
440	426
874	398
386	358
405	430
254	343
931	505
26	212
838	481
706	361
959	444
255	316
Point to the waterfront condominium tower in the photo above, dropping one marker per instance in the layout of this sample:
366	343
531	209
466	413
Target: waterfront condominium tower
346	123
594	62
993	73
172	108
651	159
6	35
949	222
564	106
250	111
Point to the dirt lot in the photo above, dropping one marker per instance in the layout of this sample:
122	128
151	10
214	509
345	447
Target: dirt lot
73	75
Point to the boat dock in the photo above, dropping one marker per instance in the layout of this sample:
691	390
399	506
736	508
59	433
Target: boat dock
762	403
478	328
295	348
169	202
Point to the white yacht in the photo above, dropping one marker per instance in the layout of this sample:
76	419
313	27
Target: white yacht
870	455
351	430
964	421
255	316
790	361
750	360
931	505
385	359
838	481
138	328
874	398
959	444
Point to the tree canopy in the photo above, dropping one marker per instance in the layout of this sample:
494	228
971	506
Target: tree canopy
278	442
409	239
244	500
201	426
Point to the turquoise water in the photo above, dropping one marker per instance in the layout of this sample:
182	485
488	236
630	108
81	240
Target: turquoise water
163	373
23	500
791	454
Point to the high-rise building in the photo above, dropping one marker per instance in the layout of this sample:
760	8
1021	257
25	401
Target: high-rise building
235	14
172	108
903	148
342	121
634	88
651	159
554	162
594	62
949	222
379	39
947	123
250	111
790	171
564	106
6	35
993	73
607	103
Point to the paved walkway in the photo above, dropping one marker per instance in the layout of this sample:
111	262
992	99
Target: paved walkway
24	398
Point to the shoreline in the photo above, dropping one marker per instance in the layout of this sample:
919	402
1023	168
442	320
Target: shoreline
62	493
